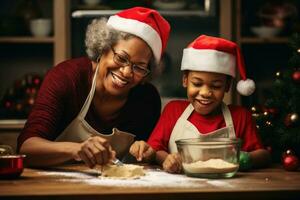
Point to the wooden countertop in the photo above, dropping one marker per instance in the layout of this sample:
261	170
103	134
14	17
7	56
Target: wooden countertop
78	182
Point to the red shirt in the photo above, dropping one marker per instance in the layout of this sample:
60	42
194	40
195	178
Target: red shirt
63	93
244	126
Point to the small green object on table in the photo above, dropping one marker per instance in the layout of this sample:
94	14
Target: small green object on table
245	161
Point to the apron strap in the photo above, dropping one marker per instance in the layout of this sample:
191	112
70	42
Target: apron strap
90	96
228	120
187	112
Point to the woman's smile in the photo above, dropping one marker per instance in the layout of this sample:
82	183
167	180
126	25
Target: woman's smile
118	80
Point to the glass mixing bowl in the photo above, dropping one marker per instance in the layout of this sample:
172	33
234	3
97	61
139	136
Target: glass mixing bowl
209	158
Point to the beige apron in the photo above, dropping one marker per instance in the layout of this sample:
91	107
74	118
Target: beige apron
79	130
184	129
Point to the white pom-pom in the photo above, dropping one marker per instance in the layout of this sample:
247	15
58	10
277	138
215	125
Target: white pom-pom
246	87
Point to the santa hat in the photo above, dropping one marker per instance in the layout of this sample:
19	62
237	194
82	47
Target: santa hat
145	23
212	54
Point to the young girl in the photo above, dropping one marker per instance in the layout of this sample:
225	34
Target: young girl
208	65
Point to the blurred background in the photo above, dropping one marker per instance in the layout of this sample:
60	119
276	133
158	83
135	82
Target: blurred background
35	35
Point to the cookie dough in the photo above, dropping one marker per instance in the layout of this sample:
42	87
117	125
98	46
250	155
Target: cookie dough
210	166
126	171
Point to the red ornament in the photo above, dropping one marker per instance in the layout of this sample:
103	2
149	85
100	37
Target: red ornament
288	152
273	111
8	104
290	163
296	76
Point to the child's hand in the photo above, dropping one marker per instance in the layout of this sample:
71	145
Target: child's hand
173	163
142	151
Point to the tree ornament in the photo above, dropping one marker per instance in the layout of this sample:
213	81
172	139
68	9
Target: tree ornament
294	118
19	106
296	76
245	161
8	104
278	75
266	113
37	81
268	123
291	119
290	163
288	152
298	50
255	109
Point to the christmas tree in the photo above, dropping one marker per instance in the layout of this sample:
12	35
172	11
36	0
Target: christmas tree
277	119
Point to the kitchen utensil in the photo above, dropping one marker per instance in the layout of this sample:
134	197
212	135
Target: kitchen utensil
41	27
265	31
209	157
11	166
117	162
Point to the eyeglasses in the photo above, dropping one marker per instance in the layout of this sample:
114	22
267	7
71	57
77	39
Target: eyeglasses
121	60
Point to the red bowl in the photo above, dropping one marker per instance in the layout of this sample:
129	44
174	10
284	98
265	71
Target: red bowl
11	166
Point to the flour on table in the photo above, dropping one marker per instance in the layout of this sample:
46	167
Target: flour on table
210	166
124	171
154	178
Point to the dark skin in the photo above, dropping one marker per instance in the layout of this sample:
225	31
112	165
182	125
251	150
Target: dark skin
114	82
205	90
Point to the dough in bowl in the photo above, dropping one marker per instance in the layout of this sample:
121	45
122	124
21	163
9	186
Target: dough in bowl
210	166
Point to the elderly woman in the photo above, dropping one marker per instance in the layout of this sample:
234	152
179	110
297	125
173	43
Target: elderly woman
91	109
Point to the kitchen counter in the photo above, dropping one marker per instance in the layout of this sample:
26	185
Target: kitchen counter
79	182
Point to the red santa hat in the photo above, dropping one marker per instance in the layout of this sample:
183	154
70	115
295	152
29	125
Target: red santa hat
145	23
212	54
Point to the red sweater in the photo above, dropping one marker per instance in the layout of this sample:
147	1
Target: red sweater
242	120
63	93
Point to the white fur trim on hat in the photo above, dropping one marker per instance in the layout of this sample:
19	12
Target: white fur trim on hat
245	87
140	29
208	60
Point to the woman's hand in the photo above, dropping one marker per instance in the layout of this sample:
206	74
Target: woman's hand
142	151
173	163
95	150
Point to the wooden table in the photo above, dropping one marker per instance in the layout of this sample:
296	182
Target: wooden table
272	183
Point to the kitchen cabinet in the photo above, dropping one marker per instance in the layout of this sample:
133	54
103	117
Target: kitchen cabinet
24	54
263	56
21	54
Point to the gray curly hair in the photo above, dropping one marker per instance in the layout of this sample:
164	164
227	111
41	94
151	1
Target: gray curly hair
99	38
